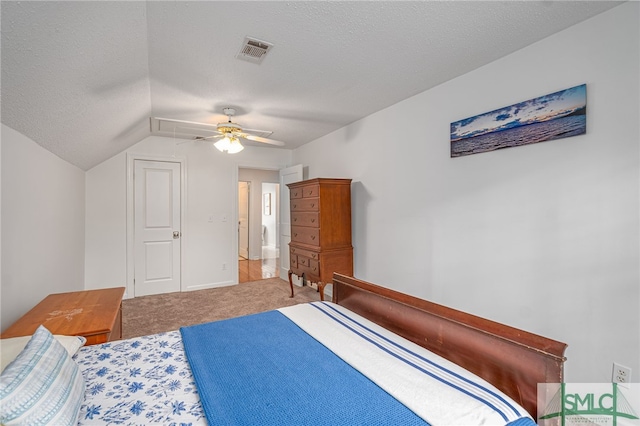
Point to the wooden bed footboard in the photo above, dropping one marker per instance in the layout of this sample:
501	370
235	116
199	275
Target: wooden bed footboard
513	360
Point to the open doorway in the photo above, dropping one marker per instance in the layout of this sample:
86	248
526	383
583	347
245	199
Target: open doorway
261	258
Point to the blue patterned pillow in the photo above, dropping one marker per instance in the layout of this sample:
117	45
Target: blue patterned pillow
43	385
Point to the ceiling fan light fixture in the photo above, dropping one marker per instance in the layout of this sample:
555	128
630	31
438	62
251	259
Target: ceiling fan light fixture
235	146
229	144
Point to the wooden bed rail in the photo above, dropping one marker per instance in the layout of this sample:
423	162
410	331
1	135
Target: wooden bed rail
513	360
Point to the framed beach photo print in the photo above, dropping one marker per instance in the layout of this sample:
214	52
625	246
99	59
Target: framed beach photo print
554	116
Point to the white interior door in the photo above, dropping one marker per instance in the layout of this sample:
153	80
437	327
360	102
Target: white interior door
156	227
243	219
288	175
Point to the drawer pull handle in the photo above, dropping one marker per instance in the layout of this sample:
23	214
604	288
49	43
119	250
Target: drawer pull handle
313	204
313	237
293	250
295	219
295	206
314	255
313	221
295	234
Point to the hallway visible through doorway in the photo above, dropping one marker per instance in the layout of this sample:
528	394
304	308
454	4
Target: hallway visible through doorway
253	270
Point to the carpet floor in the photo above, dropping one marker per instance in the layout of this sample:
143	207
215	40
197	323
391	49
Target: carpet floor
165	312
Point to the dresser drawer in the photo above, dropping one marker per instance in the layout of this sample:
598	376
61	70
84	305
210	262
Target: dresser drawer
312	272
305	219
295	251
305	204
303	261
305	265
308	262
301	234
295	193
309	191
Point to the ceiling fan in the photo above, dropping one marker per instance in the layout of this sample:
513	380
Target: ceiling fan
228	133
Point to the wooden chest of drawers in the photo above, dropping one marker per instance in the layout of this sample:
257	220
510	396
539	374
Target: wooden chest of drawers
320	230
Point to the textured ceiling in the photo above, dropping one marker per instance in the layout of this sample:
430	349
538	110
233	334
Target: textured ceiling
82	78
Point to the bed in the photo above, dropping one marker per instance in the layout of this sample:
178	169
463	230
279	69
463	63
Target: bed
372	356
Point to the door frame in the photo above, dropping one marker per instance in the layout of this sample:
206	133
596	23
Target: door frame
248	217
130	250
285	231
235	214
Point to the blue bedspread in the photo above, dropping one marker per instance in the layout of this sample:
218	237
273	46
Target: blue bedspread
263	369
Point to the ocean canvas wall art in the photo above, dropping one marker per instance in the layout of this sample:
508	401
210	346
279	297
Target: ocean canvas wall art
554	116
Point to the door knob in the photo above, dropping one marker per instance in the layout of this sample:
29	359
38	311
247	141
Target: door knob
176	235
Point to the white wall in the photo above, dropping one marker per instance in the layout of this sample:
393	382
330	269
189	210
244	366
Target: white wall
42	225
211	192
543	237
1	321
271	221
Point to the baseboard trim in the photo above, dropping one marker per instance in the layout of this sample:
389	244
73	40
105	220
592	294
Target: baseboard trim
328	292
209	285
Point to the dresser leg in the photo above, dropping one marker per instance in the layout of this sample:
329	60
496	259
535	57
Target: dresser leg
290	282
321	290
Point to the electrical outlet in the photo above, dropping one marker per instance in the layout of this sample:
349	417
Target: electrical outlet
621	374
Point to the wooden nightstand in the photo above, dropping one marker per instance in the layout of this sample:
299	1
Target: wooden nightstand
94	314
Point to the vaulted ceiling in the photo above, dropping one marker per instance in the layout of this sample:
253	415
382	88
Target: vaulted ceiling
83	78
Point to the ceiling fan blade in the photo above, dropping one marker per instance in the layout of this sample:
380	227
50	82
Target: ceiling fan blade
195	129
173	120
263	140
190	127
264	132
200	139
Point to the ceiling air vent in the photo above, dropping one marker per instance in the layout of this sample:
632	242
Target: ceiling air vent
254	50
